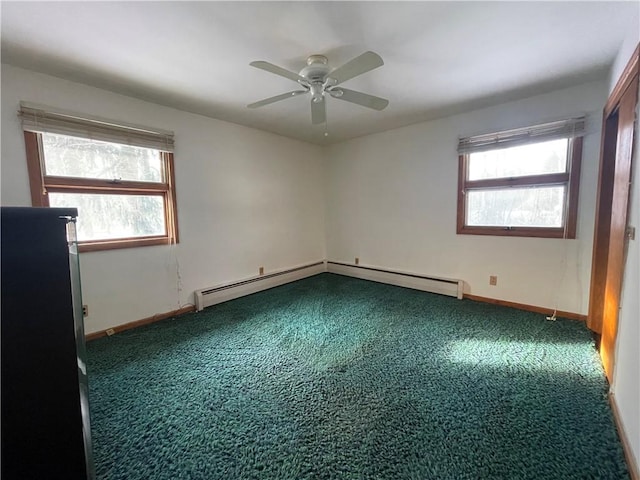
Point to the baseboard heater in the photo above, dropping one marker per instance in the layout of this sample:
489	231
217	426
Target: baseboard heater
444	286
222	293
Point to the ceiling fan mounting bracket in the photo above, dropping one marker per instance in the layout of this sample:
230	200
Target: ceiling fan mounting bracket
317	59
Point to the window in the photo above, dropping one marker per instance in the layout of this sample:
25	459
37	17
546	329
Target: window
522	182
120	178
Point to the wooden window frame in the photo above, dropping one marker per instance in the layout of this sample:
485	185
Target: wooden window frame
570	179
41	184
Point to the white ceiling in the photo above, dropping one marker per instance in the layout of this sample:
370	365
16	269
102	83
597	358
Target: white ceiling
440	57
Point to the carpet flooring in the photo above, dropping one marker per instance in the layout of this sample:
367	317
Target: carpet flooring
333	377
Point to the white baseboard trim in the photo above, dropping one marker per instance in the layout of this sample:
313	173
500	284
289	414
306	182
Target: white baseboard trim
444	286
239	288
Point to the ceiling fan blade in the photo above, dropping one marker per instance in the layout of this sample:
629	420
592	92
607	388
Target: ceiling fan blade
277	98
270	67
357	66
318	111
364	99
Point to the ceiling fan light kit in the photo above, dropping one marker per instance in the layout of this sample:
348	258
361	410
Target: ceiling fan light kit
319	79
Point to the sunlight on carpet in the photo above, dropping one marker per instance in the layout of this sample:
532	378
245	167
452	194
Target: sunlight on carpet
531	355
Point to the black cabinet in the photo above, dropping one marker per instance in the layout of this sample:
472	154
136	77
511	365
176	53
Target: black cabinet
45	409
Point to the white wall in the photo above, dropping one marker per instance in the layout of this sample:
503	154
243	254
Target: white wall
626	380
629	44
245	199
391	201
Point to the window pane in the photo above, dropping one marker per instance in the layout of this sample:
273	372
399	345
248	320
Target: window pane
516	207
532	159
79	157
107	217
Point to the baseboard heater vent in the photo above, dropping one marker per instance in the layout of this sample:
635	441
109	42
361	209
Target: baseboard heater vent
444	286
222	293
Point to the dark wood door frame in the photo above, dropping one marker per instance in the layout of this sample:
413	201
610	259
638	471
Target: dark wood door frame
610	238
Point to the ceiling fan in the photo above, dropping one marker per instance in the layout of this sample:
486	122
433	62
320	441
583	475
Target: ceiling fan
319	79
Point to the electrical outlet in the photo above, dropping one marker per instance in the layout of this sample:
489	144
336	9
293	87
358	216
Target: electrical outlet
261	270
357	261
493	280
631	232
110	331
85	310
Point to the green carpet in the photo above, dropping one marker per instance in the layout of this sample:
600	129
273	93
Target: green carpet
337	378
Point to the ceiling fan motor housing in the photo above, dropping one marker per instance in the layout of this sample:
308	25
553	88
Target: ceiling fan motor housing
316	70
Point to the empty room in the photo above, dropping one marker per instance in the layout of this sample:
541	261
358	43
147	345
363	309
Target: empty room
320	240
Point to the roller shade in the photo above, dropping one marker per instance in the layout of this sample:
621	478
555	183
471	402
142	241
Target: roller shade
42	119
569	128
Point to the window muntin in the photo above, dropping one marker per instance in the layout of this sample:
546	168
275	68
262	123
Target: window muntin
123	200
525	190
